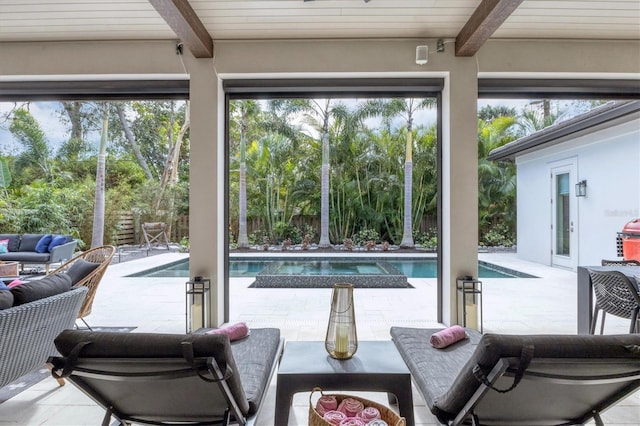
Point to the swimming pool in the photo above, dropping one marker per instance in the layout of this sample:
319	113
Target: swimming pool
250	267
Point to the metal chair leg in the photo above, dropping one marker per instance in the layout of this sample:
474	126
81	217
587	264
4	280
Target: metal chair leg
85	323
594	320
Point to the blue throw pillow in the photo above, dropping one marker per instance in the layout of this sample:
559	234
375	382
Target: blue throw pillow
43	244
58	240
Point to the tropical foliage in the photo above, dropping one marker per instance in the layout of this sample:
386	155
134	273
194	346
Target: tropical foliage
361	171
117	156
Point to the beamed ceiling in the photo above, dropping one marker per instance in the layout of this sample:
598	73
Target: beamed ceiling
199	23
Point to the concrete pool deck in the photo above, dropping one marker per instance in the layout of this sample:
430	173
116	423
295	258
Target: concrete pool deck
511	305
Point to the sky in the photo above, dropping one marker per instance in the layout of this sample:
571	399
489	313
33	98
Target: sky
48	114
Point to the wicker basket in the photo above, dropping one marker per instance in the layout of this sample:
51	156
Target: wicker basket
387	414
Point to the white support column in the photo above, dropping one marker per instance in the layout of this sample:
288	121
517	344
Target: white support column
206	181
460	182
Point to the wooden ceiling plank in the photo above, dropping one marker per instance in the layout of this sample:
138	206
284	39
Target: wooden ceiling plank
486	19
184	21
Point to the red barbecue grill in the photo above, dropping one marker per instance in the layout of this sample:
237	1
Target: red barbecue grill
628	241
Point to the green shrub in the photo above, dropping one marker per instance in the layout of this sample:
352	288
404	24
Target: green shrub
499	235
365	235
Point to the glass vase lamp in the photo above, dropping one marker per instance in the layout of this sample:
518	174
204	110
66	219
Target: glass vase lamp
341	341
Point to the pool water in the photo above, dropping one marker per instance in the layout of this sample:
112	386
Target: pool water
412	268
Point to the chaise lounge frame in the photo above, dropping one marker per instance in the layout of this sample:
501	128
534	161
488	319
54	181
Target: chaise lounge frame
163	379
521	380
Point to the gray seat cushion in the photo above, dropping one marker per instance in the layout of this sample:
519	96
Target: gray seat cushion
254	357
39	289
28	242
25	256
433	370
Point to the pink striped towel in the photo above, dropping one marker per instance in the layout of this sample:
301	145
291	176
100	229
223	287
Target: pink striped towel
448	336
234	331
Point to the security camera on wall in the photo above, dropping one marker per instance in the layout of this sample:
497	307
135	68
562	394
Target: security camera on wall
422	55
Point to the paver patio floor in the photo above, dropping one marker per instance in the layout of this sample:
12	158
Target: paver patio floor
511	305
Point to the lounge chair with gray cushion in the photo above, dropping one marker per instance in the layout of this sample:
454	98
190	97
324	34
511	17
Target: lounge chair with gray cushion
529	380
171	378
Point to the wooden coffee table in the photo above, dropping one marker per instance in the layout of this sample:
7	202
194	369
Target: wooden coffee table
376	367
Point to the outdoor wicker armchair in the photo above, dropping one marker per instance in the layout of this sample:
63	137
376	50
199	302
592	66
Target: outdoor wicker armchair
100	256
617	295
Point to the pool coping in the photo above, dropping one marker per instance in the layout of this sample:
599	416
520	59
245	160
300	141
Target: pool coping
270	278
351	256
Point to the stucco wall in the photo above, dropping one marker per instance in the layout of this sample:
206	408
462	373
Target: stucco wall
609	160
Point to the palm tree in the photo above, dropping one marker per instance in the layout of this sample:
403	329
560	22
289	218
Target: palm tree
496	181
241	112
317	113
407	108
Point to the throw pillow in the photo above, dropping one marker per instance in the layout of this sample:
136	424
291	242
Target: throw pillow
56	241
33	290
29	242
3	286
14	283
43	243
80	269
6	299
14	241
4	246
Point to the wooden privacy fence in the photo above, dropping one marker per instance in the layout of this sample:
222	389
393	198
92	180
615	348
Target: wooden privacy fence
129	228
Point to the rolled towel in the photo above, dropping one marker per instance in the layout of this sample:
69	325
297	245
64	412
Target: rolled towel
234	331
353	421
351	407
377	422
326	403
369	413
14	283
448	336
334	417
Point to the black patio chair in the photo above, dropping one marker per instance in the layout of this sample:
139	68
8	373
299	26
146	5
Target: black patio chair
616	295
620	262
168	379
518	380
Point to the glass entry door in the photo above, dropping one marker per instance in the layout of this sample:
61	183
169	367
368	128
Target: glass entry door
563	216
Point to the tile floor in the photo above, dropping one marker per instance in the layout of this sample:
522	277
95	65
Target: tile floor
537	305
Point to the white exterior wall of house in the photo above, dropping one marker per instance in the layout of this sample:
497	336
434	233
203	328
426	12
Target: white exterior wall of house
609	160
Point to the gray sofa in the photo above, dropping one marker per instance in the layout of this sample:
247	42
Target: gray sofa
22	249
497	379
27	331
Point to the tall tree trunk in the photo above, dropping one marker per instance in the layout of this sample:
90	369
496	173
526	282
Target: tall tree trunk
243	240
73	111
324	190
132	141
170	173
407	230
97	237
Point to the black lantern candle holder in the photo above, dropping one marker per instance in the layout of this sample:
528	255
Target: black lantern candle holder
469	300
197	303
